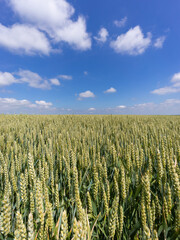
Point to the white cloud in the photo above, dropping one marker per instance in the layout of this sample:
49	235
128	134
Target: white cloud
173	88
24	39
159	42
13	101
12	105
176	80
132	42
120	23
144	105
74	34
91	109
55	18
172	101
55	81
32	79
166	90
65	77
45	13
102	35
110	90
168	107
6	79
43	104
85	73
86	94
121	106
25	76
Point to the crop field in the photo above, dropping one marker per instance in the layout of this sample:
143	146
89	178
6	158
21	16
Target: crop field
89	177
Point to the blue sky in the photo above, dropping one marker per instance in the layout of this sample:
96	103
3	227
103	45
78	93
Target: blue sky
96	57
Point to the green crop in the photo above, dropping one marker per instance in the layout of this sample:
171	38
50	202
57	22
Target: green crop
89	177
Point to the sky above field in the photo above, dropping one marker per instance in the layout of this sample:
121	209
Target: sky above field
90	57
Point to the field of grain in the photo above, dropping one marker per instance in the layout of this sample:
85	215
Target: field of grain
89	177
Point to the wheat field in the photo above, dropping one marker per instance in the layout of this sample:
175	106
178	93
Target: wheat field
89	177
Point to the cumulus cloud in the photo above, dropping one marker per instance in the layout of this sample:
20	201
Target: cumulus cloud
55	81
132	42
159	42
102	35
86	94
120	23
46	13
12	105
173	88
166	90
172	101
13	101
6	79
74	34
167	107
142	105
176	80
43	104
121	106
55	18
24	39
110	90
65	77
33	79
91	109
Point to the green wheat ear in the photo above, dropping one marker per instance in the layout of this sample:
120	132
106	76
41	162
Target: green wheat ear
121	221
89	203
155	235
39	202
6	216
17	235
76	189
147	232
30	227
57	196
105	202
113	217
143	213
23	188
31	202
147	191
50	221
79	233
123	183
64	226
20	227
